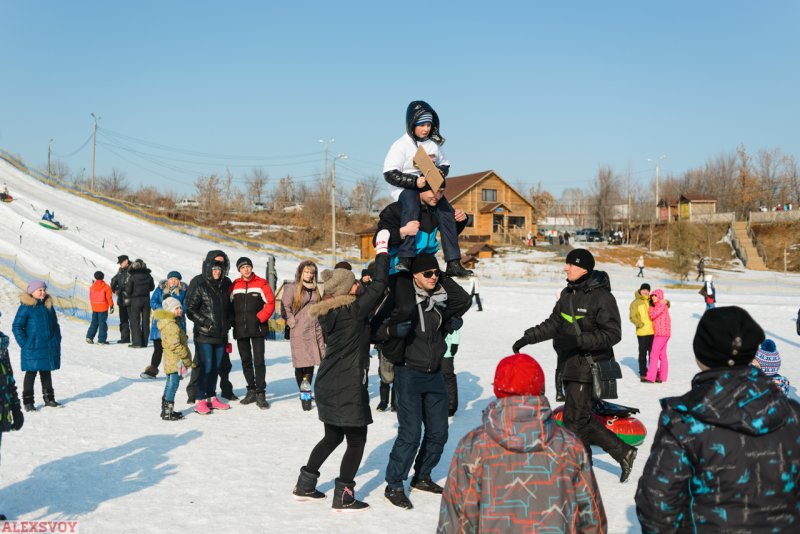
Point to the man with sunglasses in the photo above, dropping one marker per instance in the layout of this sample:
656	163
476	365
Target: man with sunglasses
419	383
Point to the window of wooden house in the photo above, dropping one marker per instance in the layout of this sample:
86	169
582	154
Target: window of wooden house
489	195
470	221
518	222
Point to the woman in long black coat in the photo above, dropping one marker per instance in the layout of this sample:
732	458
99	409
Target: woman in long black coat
341	388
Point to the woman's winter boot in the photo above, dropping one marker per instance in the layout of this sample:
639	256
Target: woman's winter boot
306	488
169	412
27	401
149	372
344	498
50	399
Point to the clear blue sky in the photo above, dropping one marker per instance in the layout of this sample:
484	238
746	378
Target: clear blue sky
540	92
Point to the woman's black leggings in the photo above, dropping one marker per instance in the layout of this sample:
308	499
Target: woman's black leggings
334	435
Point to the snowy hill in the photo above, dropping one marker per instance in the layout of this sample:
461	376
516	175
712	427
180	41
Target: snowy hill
107	461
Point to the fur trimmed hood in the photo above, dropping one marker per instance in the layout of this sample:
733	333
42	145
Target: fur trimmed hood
327	305
27	300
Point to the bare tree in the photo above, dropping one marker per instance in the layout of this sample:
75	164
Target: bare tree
541	200
256	182
606	192
364	195
115	185
208	193
284	194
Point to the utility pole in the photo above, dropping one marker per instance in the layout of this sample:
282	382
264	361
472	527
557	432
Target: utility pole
94	144
658	161
325	175
333	207
49	174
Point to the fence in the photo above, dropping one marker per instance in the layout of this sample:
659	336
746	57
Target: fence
774	216
70	298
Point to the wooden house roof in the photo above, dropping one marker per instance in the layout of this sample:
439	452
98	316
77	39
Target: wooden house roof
459	185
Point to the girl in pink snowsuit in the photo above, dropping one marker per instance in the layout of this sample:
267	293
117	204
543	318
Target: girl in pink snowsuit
662	329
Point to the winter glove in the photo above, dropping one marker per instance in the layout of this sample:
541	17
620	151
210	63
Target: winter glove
518	344
400	330
453	349
228	348
182	370
382	242
19	419
111	310
455	323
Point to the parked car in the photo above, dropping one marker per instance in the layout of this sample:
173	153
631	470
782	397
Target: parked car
593	235
260	206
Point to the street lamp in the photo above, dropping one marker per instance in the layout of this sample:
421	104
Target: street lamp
325	176
49	174
657	162
333	205
94	144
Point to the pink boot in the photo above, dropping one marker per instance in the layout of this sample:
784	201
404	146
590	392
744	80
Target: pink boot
202	407
217	404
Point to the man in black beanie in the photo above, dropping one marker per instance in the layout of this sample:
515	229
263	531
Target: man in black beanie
118	283
584	326
726	454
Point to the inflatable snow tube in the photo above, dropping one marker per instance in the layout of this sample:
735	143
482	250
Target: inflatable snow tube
49	225
628	429
9	198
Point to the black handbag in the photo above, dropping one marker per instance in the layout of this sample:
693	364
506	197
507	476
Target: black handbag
604	378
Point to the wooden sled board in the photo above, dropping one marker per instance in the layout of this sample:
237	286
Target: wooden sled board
429	170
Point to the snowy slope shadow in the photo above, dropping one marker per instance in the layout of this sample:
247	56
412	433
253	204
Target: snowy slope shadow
73	486
105	390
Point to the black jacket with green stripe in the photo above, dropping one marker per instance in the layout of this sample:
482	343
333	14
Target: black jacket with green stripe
586	309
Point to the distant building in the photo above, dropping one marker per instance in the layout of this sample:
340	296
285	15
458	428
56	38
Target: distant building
686	206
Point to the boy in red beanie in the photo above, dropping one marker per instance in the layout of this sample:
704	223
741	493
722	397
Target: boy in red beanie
506	473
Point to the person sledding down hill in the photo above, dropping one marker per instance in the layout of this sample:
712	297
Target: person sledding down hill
51	217
4	196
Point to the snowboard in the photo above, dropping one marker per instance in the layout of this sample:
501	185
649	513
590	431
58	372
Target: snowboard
628	428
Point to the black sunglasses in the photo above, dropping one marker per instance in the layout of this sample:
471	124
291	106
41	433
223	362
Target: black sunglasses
431	273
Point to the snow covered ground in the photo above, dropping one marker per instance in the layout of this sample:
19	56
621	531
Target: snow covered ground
107	461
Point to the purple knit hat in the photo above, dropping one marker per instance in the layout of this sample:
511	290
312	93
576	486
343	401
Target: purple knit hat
36	284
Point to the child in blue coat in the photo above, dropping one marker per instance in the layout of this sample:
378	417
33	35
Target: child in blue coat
38	334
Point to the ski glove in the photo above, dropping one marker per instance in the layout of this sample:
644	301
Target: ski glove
382	242
111	310
19	419
455	323
518	344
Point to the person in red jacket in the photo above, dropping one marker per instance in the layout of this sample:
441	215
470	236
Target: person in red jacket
102	301
253	304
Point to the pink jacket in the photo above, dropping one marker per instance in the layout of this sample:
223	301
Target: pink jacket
659	314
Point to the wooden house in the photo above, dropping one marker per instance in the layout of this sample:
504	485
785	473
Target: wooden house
686	206
497	213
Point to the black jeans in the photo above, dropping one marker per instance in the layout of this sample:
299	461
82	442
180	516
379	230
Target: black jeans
27	385
409	199
645	343
334	435
158	353
579	419
251	351
421	399
124	324
139	319
225	385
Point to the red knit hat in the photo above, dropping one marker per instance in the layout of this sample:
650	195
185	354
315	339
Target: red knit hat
519	374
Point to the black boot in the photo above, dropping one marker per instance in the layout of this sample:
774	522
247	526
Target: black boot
169	413
403	265
149	372
306	488
397	497
261	401
50	399
454	268
426	484
163	406
250	398
27	401
344	498
626	463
